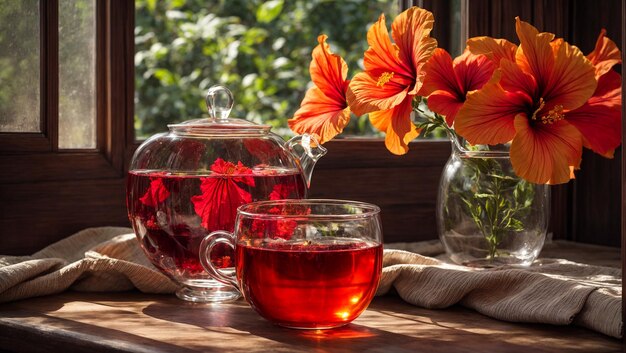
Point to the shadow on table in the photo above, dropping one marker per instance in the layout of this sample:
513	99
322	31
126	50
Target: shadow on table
388	325
245	321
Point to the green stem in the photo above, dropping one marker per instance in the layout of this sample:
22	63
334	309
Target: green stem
493	213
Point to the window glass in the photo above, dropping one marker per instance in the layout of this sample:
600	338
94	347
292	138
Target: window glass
19	66
77	70
261	50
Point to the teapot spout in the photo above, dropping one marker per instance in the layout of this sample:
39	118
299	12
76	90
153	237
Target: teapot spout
307	151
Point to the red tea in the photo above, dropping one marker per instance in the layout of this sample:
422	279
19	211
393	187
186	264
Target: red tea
303	285
172	213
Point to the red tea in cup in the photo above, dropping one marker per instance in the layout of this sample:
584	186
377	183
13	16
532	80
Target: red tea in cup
302	285
308	264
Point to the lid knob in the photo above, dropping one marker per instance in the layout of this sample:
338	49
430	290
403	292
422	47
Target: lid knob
219	102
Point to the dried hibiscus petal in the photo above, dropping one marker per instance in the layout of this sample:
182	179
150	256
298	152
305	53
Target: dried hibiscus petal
221	193
156	193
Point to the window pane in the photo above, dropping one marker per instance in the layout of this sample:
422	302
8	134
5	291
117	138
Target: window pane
77	70
261	50
19	66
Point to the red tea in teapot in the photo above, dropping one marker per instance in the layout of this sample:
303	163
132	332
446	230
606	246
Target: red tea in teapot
172	212
303	285
189	181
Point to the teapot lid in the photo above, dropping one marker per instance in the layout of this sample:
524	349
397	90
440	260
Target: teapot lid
219	102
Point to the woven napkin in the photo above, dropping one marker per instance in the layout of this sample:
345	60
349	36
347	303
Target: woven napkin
92	260
551	291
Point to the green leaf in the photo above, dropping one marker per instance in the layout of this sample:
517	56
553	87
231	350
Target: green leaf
177	3
484	196
151	4
269	10
255	35
165	76
516	225
490	208
159	51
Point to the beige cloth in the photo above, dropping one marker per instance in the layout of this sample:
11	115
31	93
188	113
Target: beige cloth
551	291
94	260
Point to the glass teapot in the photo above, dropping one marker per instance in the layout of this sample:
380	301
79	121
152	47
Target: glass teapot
188	182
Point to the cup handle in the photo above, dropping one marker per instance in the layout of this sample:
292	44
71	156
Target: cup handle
206	246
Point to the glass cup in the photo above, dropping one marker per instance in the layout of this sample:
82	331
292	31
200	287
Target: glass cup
308	264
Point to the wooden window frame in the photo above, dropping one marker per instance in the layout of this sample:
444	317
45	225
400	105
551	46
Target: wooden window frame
50	193
48	68
113	62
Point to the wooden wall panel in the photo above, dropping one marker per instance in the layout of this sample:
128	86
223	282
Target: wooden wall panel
595	195
37	214
442	12
405	187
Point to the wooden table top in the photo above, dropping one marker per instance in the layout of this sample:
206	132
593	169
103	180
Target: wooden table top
136	322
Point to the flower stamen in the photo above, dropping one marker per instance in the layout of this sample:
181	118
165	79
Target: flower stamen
542	103
555	114
384	78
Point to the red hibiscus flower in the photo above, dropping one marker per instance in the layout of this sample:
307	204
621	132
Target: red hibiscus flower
600	118
222	192
447	82
282	191
278	227
156	193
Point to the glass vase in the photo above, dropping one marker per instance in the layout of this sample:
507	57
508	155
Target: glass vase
487	216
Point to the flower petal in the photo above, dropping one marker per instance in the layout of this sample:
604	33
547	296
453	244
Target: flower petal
488	114
445	103
544	153
572	79
366	95
397	125
440	75
447	82
609	90
411	33
600	119
156	193
222	193
494	49
473	71
605	55
324	110
328	71
382	55
515	80
564	76
534	54
320	116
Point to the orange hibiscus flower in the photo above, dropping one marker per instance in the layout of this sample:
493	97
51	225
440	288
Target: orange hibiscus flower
324	112
447	82
393	75
532	101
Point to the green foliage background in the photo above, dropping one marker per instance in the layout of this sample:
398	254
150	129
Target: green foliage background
19	66
261	50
